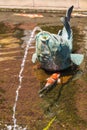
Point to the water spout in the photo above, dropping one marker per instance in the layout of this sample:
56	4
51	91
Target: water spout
15	126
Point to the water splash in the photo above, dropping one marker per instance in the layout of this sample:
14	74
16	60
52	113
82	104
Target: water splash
15	126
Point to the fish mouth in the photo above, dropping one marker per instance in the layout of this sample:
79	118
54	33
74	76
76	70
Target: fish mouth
44	39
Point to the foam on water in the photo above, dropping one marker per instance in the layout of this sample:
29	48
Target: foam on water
15	126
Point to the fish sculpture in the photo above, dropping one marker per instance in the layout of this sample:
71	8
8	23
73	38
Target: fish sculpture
54	51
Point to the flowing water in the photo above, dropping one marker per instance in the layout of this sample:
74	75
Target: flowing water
15	126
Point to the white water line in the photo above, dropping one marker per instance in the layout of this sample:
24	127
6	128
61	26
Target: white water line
20	77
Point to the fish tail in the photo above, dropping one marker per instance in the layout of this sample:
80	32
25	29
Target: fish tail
68	13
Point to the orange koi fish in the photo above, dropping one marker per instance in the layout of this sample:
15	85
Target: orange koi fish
51	81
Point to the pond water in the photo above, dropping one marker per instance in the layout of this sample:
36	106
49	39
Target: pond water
66	102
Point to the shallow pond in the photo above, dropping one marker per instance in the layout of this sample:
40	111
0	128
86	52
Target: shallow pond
66	101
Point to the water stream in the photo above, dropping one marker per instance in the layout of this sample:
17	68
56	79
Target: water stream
15	126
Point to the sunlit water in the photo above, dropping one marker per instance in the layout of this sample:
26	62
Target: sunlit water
60	100
15	126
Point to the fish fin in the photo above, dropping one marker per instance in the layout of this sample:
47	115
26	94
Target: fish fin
77	58
34	57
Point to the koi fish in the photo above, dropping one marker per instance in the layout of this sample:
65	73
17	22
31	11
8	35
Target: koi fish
54	78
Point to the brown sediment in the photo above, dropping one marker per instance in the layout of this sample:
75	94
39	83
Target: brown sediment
31	109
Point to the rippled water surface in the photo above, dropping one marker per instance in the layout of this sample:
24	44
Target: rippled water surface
66	101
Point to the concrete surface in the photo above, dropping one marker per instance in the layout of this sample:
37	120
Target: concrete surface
46	4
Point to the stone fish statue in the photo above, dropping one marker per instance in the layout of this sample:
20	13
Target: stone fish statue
54	51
